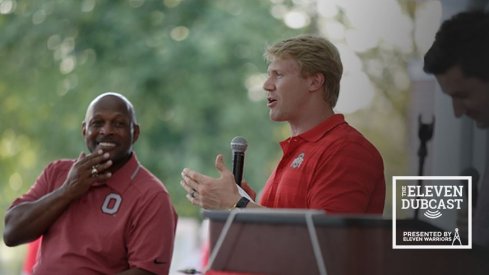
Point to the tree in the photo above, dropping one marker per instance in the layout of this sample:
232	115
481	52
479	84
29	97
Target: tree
184	64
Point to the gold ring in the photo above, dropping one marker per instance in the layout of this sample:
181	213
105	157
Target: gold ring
94	171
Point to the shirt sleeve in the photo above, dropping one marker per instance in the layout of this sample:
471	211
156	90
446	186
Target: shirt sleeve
152	233
348	179
41	186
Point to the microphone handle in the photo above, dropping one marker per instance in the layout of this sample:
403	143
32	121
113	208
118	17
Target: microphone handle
238	163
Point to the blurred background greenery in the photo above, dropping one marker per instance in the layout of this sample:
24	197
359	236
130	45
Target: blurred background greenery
193	70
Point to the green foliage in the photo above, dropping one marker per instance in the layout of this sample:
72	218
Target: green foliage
183	64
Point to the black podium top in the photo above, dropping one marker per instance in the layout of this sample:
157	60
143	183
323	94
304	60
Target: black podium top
297	216
277	241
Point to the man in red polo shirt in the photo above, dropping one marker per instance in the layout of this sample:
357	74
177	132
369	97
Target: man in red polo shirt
102	213
326	164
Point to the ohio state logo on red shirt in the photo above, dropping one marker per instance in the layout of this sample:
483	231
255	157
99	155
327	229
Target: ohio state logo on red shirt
111	203
297	161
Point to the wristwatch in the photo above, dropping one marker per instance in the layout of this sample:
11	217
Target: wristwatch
242	203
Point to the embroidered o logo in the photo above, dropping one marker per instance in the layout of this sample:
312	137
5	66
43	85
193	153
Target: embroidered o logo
112	203
297	161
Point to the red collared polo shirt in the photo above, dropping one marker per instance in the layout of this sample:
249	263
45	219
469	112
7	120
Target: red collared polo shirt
330	167
129	222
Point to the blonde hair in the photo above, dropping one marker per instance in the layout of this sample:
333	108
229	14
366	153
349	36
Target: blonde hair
314	55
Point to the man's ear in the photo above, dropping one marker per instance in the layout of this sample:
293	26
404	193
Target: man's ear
84	129
135	133
317	81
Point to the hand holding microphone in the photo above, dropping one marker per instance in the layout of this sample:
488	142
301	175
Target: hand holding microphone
218	193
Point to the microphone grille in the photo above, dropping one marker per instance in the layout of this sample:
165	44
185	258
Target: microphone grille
239	144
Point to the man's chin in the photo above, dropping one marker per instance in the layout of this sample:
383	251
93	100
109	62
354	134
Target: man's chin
276	117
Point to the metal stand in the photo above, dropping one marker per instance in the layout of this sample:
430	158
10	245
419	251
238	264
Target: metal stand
425	133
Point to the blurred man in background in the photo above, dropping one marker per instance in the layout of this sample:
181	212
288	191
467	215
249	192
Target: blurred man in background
103	212
459	59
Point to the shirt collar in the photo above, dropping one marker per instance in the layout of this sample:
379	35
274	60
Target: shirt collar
121	179
322	128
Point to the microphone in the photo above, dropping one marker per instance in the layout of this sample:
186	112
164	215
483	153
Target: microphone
238	146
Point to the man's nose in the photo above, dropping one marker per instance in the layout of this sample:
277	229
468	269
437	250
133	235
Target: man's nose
106	129
268	85
458	107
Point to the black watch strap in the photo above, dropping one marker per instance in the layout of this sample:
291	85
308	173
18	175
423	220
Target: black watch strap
242	203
